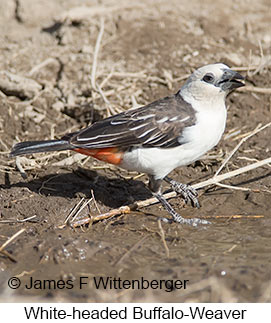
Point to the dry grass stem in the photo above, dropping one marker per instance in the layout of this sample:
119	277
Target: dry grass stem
12	220
234	187
94	200
70	160
254	132
8	255
110	109
20	167
107	78
43	185
244	68
255	89
181	78
5	244
230	249
76	211
162	235
81	208
39	66
217	179
18	220
95	57
27	219
73	210
233	216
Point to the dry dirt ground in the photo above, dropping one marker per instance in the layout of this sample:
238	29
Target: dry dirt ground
48	86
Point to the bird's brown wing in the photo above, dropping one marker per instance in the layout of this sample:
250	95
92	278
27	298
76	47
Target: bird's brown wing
159	124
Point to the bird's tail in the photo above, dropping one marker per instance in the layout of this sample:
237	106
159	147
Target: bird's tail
30	147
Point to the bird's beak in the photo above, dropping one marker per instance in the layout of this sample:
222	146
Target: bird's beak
230	80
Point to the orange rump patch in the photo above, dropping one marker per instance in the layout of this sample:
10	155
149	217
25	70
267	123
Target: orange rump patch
110	155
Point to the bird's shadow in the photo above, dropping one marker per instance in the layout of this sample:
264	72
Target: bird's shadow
109	192
80	182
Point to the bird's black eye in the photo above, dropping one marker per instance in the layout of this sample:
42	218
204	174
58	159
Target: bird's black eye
208	78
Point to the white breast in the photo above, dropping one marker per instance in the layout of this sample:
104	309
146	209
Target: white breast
206	133
200	138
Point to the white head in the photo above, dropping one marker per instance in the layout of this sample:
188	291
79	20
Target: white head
211	82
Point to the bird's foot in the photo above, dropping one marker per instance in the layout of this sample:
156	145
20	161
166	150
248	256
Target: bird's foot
194	221
176	217
186	191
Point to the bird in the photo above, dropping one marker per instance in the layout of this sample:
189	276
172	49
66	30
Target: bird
155	139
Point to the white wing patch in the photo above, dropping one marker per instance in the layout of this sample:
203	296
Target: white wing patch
148	116
118	122
145	133
138	127
184	119
163	120
100	136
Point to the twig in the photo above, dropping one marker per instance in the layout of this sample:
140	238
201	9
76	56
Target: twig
76	211
42	64
18	220
234	187
162	235
233	216
43	187
20	167
5	244
8	255
94	84
181	78
70	160
95	57
121	210
255	89
110	108
94	200
254	132
231	249
107	78
73	210
222	177
244	68
134	102
27	219
212	181
82	207
22	198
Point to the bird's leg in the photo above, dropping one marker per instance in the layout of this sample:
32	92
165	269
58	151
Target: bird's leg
187	191
155	187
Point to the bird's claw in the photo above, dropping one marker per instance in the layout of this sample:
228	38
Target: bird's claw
188	193
194	222
166	220
179	219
